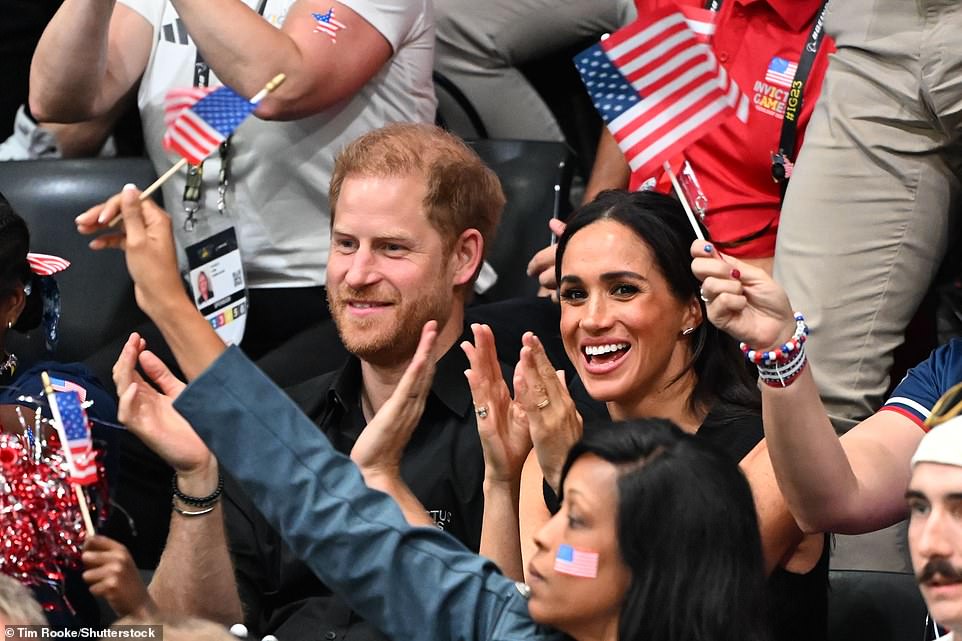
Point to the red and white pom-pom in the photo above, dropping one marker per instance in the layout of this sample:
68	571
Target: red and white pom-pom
41	526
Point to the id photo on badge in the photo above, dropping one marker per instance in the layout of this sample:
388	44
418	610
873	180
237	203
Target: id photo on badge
202	288
216	276
216	283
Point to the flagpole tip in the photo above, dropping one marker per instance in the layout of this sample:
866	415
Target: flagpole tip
275	82
45	379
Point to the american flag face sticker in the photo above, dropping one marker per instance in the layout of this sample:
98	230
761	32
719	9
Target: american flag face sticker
576	562
326	24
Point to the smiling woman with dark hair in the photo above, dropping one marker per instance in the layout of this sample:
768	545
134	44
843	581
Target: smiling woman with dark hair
633	323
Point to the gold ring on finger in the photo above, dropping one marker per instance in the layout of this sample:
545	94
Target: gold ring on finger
543	404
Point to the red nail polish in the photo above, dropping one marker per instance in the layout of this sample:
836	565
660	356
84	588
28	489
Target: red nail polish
736	274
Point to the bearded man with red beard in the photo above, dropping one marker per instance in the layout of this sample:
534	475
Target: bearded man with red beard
413	210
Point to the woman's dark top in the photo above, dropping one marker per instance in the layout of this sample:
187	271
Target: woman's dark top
798	603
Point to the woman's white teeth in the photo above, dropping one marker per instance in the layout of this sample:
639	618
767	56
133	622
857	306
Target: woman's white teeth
598	350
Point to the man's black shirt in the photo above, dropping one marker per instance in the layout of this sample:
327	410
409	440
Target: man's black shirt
442	464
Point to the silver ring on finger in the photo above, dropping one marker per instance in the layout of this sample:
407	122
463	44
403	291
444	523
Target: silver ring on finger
701	295
481	411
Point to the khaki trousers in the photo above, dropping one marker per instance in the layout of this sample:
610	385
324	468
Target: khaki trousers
867	216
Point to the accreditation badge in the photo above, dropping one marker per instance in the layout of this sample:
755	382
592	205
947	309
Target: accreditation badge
217	284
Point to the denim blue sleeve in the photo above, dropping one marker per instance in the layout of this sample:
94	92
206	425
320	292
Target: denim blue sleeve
411	582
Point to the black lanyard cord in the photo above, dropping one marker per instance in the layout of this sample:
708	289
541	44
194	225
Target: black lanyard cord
796	95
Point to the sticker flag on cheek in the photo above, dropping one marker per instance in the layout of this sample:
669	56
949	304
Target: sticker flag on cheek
326	24
576	562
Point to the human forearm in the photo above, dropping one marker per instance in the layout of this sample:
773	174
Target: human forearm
252	52
812	469
246	55
195	575
190	337
87	60
500	530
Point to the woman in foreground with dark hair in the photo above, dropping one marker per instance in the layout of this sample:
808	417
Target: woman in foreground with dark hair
634	326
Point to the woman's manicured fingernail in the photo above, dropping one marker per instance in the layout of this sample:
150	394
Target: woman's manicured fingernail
736	274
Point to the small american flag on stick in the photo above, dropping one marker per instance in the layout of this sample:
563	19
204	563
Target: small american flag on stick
199	130
659	87
194	137
76	429
175	102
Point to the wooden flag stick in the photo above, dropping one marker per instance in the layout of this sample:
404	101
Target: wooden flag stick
154	186
68	456
274	83
684	201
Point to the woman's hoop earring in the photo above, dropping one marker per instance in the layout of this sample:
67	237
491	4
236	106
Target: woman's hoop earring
687	331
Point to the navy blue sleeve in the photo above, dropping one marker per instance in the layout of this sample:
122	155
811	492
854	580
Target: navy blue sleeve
926	382
410	582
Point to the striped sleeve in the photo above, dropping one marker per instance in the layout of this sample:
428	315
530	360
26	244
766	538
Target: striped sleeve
922	386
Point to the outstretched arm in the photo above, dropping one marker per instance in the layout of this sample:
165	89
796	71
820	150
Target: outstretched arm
849	485
147	239
411	582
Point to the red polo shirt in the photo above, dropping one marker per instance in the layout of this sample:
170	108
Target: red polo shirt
732	162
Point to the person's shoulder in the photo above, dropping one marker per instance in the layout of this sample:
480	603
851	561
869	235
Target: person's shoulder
942	368
917	392
400	24
64	377
734	428
947	355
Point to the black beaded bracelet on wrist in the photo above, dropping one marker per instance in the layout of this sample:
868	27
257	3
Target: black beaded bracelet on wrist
199	501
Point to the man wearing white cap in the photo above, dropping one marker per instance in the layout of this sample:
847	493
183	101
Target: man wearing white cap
935	523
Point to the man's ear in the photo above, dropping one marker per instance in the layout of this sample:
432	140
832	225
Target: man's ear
466	256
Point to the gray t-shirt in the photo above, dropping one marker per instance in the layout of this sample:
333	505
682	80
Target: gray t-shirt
281	170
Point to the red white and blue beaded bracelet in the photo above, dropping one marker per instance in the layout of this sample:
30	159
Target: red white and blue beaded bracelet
781	366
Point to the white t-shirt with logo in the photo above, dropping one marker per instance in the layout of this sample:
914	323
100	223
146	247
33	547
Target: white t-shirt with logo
280	171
